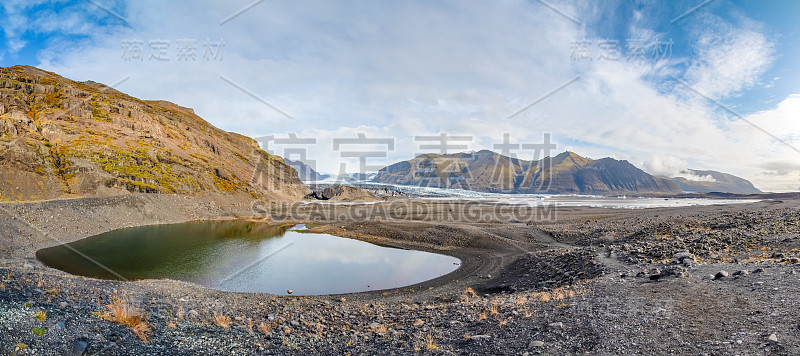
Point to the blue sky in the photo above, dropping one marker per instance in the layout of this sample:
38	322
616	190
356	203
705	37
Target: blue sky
334	69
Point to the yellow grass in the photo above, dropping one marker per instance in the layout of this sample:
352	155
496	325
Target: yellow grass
556	294
222	320
264	328
120	311
430	343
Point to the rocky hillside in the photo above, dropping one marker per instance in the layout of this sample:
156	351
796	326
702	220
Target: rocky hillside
487	171
60	138
713	181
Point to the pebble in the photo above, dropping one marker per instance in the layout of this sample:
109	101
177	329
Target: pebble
773	338
63	305
418	322
557	325
721	274
61	325
480	337
535	343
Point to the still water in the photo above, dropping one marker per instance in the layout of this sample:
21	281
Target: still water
245	256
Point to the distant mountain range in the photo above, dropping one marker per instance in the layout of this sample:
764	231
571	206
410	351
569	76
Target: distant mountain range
566	173
713	181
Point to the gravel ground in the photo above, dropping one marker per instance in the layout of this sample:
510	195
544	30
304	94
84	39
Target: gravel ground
700	280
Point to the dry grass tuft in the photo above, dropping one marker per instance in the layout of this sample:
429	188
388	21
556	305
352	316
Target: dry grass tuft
556	294
493	309
381	329
120	311
264	328
40	315
222	320
527	312
430	343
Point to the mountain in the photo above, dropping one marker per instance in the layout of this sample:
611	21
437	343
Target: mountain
713	181
487	171
61	138
305	172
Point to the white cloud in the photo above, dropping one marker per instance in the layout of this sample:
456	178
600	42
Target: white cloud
667	166
729	57
689	175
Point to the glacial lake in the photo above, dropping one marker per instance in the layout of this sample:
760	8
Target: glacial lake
242	256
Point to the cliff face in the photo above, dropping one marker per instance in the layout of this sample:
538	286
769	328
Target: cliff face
487	171
60	138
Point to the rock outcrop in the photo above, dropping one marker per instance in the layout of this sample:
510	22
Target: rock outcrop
343	193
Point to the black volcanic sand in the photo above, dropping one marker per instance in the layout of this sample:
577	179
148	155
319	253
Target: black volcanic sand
594	281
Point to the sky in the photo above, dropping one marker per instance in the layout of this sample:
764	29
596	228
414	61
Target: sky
666	85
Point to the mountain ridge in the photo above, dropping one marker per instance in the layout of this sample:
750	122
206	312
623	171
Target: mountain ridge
565	173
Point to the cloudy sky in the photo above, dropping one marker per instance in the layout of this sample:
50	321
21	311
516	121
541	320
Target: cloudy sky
667	85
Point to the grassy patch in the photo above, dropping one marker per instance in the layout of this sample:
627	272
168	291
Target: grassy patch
122	312
39	331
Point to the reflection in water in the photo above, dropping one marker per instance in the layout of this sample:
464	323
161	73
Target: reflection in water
247	257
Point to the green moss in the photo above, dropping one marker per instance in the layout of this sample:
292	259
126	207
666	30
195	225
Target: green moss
39	331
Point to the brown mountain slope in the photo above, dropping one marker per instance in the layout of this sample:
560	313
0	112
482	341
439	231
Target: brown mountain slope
60	138
487	171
